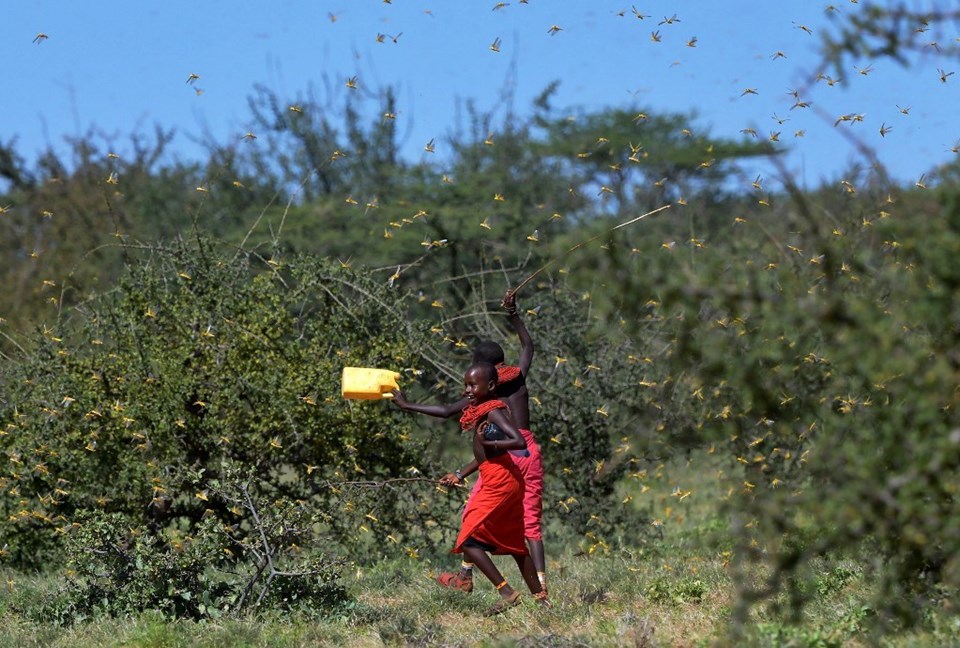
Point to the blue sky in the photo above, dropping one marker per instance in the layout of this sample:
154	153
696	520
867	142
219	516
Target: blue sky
123	66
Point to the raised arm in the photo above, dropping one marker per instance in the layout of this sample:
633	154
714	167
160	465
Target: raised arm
526	342
439	411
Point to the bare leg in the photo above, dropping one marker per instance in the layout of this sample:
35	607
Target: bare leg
529	572
536	553
482	561
467	572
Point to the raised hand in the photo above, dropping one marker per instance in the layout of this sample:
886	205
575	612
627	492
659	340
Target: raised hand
510	302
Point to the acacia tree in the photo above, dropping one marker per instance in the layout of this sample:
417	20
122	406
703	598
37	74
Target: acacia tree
902	31
637	158
68	216
815	350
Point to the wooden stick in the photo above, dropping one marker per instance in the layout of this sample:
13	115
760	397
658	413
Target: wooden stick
387	482
581	244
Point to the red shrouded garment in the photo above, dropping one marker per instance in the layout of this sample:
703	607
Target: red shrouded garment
494	513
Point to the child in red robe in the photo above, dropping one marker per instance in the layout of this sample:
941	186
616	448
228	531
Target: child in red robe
512	390
493	519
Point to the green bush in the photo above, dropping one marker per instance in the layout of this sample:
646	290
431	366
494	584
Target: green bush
816	352
116	568
262	561
198	358
675	591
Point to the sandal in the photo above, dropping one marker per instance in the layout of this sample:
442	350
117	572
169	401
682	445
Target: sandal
453	580
503	604
541	598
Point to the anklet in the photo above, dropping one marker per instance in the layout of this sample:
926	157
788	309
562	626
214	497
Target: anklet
501	585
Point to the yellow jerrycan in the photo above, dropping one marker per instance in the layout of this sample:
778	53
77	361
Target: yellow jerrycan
368	384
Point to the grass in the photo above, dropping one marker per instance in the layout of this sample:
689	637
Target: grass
675	592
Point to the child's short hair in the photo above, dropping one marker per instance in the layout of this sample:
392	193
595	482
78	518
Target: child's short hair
489	352
488	371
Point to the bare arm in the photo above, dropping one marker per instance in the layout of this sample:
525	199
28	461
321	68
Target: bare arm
470	468
502	419
452	479
526	342
439	411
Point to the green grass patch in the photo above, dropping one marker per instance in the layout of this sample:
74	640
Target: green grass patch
674	591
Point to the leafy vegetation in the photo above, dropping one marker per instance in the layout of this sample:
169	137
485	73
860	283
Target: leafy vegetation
172	437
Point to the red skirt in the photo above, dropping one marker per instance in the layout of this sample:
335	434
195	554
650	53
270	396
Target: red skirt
494	513
531	470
